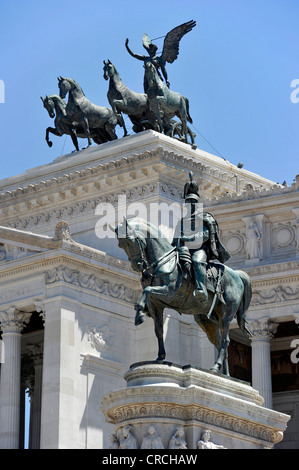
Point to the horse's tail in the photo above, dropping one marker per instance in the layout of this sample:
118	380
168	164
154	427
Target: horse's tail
245	302
189	118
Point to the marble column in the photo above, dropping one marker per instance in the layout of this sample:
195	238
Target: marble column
263	331
11	323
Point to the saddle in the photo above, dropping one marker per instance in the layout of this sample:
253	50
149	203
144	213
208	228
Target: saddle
167	264
214	271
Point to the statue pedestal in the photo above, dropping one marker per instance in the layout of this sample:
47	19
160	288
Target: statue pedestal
167	400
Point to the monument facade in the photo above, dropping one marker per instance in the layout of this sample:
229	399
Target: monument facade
67	296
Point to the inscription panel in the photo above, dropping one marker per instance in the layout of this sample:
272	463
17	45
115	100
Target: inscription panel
33	287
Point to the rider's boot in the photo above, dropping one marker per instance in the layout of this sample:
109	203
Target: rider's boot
200	281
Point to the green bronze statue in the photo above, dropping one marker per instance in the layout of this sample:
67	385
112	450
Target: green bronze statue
212	292
197	239
170	50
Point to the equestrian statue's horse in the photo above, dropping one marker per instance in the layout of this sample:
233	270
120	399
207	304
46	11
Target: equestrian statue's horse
165	285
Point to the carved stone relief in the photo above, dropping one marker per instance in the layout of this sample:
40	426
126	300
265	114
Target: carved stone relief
275	295
13	252
99	338
283	237
235	243
91	282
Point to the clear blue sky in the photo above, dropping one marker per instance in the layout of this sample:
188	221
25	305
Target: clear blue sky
235	67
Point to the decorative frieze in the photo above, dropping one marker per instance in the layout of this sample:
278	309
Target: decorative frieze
91	282
278	294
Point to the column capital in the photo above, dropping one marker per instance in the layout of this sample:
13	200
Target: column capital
262	329
13	321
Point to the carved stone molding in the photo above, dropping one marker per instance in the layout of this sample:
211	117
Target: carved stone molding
274	295
160	155
91	282
206	416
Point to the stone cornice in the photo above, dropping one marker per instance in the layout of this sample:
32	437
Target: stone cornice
138	166
72	263
248	198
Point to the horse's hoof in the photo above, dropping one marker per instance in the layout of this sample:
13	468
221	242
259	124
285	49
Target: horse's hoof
139	319
215	368
161	358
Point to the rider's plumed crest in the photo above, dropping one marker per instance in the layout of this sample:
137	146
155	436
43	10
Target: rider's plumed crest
191	189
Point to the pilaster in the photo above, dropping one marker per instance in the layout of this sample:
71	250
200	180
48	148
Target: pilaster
58	387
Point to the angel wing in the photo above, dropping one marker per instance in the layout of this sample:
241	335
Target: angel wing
172	41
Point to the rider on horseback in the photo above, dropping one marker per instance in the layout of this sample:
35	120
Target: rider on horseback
197	238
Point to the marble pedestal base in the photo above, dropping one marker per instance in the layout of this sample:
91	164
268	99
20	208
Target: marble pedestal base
166	406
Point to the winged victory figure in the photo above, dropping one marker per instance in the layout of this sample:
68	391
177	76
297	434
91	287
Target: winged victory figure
170	49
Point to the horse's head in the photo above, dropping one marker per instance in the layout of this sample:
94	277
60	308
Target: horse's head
64	85
131	241
49	105
109	69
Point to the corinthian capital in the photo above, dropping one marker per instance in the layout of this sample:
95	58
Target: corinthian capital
263	329
13	321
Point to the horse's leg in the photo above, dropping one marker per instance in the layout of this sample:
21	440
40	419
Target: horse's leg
74	139
53	131
182	115
210	328
157	315
144	300
222	351
215	337
86	129
158	114
226	366
118	106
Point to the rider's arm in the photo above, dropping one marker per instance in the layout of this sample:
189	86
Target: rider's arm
137	56
175	242
202	235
